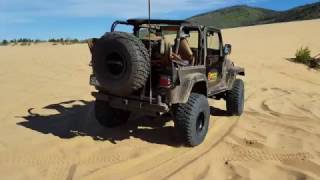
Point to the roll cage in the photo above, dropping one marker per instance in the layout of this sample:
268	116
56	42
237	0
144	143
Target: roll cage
182	26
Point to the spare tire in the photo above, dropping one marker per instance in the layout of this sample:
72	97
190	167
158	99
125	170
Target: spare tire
121	63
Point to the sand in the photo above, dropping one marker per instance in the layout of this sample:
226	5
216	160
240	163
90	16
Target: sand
48	129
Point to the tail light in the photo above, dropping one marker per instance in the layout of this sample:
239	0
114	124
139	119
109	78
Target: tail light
165	81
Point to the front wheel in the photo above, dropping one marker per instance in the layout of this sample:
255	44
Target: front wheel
235	98
192	119
109	117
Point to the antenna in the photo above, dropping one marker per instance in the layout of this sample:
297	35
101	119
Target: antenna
149	31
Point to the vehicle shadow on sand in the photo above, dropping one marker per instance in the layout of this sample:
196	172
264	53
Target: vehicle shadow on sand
218	112
76	118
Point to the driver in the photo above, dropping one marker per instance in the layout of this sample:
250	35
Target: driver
185	53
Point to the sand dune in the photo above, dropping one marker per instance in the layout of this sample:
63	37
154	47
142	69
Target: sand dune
48	130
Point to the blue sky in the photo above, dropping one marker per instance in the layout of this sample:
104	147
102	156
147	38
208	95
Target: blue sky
42	19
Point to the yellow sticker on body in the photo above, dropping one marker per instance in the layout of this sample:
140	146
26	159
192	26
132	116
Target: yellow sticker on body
212	76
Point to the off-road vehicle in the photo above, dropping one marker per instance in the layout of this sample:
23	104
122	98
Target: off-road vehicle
164	67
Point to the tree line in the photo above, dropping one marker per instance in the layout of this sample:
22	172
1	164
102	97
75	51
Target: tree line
26	41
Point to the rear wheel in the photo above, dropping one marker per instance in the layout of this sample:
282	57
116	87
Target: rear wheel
110	117
192	119
235	98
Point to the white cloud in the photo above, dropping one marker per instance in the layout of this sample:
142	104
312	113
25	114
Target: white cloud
25	10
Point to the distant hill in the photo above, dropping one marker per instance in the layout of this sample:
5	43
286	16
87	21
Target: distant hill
244	15
310	11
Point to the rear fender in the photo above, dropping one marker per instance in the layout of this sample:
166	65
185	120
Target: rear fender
192	83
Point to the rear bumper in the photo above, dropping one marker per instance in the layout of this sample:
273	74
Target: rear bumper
132	105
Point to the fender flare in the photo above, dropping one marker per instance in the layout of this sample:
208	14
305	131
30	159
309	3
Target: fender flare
181	93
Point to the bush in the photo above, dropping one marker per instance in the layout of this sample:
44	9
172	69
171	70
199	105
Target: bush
36	41
74	41
52	40
303	55
4	42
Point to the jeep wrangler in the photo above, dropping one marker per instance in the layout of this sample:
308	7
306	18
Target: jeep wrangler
164	67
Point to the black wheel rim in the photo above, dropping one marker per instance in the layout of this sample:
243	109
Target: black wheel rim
200	122
116	65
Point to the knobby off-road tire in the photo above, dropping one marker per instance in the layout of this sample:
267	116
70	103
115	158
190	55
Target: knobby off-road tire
121	63
192	120
235	98
109	117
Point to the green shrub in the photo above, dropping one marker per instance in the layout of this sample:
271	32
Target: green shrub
303	55
4	42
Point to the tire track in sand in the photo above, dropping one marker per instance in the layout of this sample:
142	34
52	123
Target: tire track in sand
183	156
